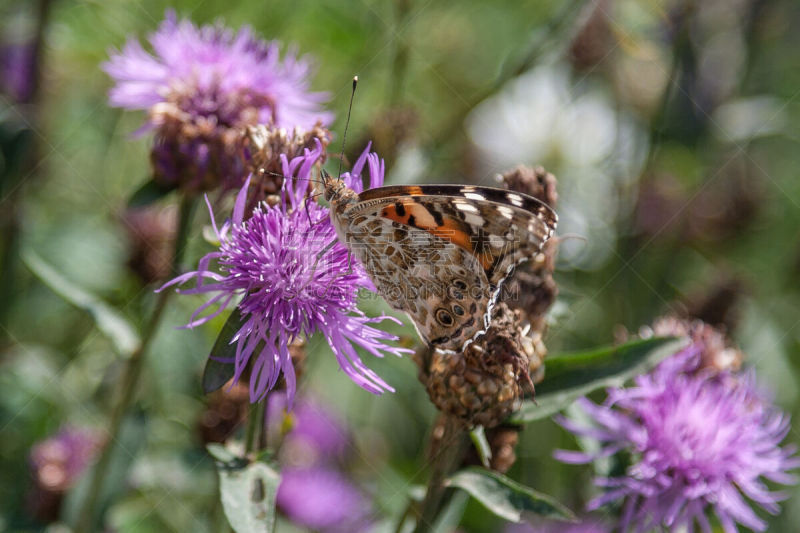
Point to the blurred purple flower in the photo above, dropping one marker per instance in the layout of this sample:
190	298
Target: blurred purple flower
58	461
17	70
323	500
294	278
699	439
212	71
317	434
201	88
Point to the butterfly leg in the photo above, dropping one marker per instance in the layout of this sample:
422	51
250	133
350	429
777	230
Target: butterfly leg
305	205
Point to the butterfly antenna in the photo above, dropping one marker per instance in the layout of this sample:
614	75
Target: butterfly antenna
346	124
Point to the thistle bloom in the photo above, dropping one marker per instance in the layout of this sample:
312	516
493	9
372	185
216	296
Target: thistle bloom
202	86
699	439
322	499
317	435
18	68
294	279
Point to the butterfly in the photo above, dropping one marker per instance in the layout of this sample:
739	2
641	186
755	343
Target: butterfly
440	253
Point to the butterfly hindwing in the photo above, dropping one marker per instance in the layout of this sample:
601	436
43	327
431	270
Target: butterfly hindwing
439	285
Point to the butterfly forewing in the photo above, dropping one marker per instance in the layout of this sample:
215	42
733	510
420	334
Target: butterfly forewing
441	252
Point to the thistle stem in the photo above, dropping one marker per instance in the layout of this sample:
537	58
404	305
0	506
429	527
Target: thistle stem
255	427
86	522
448	456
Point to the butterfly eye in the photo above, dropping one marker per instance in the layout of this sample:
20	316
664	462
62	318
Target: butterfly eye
444	317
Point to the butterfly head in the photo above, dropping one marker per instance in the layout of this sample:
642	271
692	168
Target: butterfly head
335	189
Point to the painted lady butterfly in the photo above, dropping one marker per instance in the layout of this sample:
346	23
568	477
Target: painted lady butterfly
440	253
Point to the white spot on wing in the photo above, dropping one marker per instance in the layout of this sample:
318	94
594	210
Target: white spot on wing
506	211
463	206
473	219
475	196
515	199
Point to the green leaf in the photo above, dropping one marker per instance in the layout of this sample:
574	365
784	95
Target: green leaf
109	321
149	192
505	497
223	455
216	373
450	516
247	491
478	437
570	376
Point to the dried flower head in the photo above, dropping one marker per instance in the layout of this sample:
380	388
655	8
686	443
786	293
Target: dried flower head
714	350
151	231
293	279
700	441
502	441
483	384
201	88
226	409
536	182
263	147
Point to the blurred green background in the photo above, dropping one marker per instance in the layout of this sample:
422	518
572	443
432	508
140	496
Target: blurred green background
671	126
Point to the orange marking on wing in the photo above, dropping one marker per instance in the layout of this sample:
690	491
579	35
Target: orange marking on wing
413	190
451	231
417	216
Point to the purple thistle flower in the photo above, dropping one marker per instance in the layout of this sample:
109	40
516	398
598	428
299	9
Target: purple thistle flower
323	500
317	435
18	69
700	440
212	71
294	278
202	86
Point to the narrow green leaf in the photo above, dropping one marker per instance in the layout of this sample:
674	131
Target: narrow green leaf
109	321
216	373
478	436
505	497
570	376
450	516
247	491
148	193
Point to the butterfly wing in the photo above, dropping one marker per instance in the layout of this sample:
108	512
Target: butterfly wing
441	252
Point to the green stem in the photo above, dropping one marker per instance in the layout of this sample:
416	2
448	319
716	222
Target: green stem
400	57
130	377
450	453
406	512
255	427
